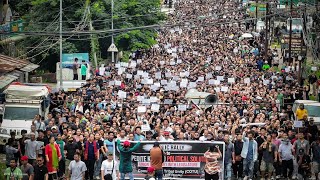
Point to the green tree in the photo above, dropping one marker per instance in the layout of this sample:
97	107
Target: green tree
43	15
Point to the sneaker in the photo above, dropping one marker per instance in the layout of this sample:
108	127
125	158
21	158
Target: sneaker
278	177
246	178
294	177
262	178
229	178
98	178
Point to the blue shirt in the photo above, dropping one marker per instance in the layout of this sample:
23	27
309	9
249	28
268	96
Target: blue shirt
109	145
138	137
91	150
250	151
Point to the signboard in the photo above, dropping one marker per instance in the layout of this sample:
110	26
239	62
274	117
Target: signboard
68	59
183	160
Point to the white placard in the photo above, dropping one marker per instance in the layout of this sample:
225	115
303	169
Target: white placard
129	76
211	81
164	82
217	89
201	78
111	83
140	73
142	109
117	65
155	107
145	74
220	78
209	76
231	80
216	82
266	82
140	98
182	107
218	68
146	101
157	84
224	88
139	61
192	84
162	62
247	80
153	99
313	68
117	83
298	124
145	127
133	64
124	64
158	75
168	74
122	94
149	81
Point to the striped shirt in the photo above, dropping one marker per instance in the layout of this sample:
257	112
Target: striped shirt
212	166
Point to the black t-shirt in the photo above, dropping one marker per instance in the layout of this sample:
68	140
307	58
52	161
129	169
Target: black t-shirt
71	150
100	142
39	172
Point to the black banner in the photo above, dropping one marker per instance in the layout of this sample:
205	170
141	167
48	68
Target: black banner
184	159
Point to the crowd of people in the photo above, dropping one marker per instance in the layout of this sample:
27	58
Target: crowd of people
204	51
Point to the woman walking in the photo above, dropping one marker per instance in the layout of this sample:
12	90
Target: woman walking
53	156
212	167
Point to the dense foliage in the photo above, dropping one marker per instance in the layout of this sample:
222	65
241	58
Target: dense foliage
43	15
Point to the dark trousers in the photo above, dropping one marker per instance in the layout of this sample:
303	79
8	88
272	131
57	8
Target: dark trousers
53	176
90	169
83	77
62	168
211	176
75	76
287	165
278	168
238	169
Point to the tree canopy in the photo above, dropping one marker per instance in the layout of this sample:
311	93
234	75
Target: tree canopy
43	16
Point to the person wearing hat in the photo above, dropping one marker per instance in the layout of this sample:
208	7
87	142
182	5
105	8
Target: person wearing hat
304	165
166	137
151	174
156	160
110	168
125	166
26	168
265	66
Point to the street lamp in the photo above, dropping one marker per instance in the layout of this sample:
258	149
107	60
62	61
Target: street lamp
300	59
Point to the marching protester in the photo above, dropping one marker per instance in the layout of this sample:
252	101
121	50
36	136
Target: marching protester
212	167
53	156
77	168
249	154
40	170
13	172
286	156
91	155
110	168
26	169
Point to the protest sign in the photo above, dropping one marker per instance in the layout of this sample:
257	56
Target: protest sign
183	160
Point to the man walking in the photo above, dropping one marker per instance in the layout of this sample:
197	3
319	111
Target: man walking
156	160
40	170
91	155
229	157
77	168
286	157
31	146
249	154
26	169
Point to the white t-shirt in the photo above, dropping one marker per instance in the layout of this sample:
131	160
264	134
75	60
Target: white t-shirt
107	167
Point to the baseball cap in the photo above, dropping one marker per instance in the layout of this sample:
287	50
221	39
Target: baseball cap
54	127
166	133
150	169
24	158
126	144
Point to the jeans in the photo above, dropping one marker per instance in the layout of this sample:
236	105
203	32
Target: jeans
97	166
123	175
248	166
228	170
159	174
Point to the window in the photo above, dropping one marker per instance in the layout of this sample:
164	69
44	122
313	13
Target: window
20	113
313	111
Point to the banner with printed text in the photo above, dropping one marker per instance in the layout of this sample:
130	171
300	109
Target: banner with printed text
183	160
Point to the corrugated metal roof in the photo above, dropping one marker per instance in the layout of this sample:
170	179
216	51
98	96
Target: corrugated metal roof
8	64
6	79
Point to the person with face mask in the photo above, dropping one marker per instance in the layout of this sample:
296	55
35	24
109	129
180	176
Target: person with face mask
286	156
312	131
70	149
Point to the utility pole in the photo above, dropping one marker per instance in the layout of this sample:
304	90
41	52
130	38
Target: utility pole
266	34
60	39
112	39
290	33
93	45
256	15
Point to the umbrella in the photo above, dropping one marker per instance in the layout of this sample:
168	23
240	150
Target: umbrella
246	35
